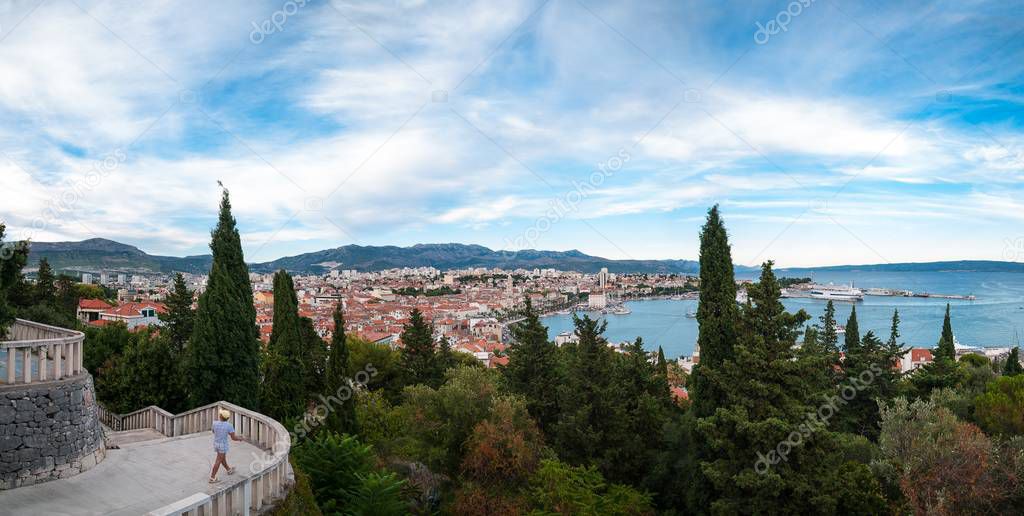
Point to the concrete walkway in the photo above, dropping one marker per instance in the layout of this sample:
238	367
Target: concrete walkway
133	480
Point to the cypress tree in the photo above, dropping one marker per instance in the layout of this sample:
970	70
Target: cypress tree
716	310
45	290
943	371
717	315
894	330
223	355
419	352
1013	367
283	379
662	363
852	331
946	347
829	336
532	369
343	417
180	318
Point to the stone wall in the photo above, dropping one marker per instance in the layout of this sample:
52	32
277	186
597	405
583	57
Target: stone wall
48	430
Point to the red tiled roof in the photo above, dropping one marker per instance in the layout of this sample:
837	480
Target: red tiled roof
134	309
921	355
93	304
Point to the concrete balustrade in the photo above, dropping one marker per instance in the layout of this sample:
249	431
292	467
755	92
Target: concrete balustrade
270	475
35	352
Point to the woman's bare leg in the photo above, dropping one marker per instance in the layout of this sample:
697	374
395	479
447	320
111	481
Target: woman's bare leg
216	465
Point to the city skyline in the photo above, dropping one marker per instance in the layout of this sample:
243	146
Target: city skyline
878	134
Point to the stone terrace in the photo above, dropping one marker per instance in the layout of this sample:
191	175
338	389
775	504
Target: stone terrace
135	479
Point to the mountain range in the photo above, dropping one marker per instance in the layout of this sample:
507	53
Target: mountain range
107	255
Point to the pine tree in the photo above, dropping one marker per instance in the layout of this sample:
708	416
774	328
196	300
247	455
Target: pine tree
180	318
13	256
716	310
943	372
1013	367
223	355
829	335
45	289
946	348
419	352
343	417
894	330
870	370
643	399
532	370
445	358
662	364
284	382
591	417
852	331
767	401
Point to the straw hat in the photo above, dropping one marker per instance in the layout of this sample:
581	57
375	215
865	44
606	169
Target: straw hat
224	414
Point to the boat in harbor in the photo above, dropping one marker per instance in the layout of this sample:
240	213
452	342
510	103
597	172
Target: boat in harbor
837	293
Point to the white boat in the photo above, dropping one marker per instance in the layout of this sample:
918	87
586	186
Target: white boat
837	293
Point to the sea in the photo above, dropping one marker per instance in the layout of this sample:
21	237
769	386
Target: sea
994	319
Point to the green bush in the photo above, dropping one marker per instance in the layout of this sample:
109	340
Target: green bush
1000	410
345	479
558	488
300	501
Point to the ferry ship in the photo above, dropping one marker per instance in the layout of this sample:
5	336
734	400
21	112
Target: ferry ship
837	293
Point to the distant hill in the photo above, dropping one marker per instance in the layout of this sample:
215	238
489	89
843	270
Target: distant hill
101	254
108	255
459	256
950	266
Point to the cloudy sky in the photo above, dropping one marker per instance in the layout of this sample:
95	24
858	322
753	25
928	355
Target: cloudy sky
831	132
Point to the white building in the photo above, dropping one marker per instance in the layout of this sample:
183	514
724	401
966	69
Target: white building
87	278
598	301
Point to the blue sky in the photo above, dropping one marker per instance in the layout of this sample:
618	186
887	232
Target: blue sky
845	132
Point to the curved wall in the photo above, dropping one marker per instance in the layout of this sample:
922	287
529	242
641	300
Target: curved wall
48	430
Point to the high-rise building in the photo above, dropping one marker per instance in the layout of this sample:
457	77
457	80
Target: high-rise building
602	278
122	279
86	278
104	278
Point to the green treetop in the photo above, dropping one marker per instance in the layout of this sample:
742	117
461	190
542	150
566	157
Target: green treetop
223	355
946	348
13	256
829	336
180	318
716	309
46	287
767	402
283	379
1013	367
419	351
532	370
852	331
342	418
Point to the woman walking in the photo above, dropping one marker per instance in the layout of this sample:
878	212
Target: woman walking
222	430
